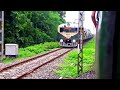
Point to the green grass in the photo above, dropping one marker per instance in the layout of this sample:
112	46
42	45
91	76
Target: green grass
33	50
69	68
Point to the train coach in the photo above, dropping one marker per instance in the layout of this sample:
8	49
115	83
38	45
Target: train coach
107	52
68	34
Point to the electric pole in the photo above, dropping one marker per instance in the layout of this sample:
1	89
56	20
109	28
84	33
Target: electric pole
80	42
1	34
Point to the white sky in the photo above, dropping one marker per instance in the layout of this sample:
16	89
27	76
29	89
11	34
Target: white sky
88	24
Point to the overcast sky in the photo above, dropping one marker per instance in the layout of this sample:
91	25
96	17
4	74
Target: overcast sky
72	15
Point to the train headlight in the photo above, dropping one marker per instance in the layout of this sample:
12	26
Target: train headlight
74	41
61	40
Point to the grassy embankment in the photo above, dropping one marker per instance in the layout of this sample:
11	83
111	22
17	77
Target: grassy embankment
69	68
33	50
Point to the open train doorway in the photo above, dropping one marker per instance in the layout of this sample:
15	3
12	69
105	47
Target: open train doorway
107	44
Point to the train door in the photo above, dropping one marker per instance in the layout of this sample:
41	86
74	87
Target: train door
105	36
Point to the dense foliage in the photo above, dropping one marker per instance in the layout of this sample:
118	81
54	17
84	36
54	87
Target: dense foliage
69	68
32	27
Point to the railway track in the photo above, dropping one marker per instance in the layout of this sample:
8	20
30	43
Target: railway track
48	71
21	69
27	60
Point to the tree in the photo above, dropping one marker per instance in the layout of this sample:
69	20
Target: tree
62	15
32	27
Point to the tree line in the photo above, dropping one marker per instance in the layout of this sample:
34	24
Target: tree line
32	27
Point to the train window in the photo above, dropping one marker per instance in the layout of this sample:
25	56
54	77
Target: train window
61	29
73	30
70	30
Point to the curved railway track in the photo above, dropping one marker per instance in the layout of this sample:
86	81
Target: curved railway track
21	69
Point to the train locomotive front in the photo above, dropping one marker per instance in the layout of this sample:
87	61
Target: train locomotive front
68	34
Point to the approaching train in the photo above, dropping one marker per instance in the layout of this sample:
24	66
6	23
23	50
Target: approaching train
68	34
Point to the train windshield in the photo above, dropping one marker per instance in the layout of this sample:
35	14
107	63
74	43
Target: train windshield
68	30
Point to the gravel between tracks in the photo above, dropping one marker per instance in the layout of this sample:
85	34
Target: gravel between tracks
2	65
47	71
